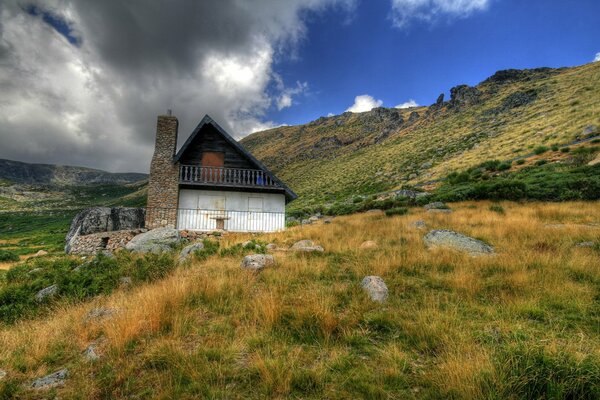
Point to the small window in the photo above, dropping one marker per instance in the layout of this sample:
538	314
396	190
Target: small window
255	204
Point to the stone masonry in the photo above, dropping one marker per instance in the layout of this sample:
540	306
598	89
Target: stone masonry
163	186
102	241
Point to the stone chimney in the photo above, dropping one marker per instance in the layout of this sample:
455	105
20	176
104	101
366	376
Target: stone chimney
163	185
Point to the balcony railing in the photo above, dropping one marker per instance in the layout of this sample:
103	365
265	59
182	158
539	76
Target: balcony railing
225	176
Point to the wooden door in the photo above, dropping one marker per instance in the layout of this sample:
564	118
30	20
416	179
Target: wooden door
212	162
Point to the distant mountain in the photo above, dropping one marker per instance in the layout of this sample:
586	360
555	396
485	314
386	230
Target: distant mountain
61	175
505	117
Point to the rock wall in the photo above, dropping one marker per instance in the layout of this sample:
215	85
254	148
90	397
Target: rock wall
163	185
102	241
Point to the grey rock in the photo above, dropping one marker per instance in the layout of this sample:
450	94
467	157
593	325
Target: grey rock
45	293
104	219
154	241
420	224
306	222
306	246
314	218
90	353
590	130
463	96
374	211
271	246
426	165
35	271
52	380
413	116
412	176
439	211
412	194
457	241
436	205
327	220
125	281
99	312
585	244
375	288
257	261
189	250
2	374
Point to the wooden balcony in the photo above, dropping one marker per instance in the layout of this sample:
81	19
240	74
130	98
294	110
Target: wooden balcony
220	176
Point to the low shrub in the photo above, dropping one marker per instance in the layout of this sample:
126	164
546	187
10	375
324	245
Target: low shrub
565	149
554	147
7	255
396	211
497	208
540	150
521	161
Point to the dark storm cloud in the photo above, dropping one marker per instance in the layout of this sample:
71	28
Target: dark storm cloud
94	101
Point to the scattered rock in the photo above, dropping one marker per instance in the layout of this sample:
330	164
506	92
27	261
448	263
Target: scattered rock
412	176
306	222
49	381
41	253
374	211
271	246
90	353
426	165
412	194
327	220
257	261
590	130
189	250
314	218
555	226
585	244
45	293
35	271
368	245
154	241
436	205
413	116
457	241
99	312
420	224
375	287
2	374
307	246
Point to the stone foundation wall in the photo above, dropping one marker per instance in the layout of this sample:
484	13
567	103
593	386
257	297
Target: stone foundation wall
163	185
96	242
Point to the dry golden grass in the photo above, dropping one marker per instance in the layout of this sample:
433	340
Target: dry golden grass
305	329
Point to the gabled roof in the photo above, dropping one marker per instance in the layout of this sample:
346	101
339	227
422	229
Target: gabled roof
207	120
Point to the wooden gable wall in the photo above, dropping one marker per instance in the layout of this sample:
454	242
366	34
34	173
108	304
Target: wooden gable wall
209	139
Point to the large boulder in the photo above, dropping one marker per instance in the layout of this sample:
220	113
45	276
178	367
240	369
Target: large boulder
306	246
105	219
257	262
457	241
154	241
375	288
46	293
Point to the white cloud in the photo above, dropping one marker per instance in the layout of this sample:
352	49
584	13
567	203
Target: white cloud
407	104
405	11
95	103
364	103
597	58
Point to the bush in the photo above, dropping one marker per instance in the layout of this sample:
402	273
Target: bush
541	162
565	150
6	255
521	161
554	147
396	211
497	208
540	150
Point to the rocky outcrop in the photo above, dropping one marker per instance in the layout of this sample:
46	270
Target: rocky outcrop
46	293
52	380
375	288
257	262
463	96
514	75
105	219
457	241
154	241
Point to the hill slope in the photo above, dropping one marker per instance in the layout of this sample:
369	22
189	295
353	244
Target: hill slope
504	117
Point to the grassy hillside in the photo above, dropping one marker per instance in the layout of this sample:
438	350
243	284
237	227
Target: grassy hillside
506	117
524	323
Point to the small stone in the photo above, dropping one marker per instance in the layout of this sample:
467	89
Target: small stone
306	222
271	246
439	211
187	251
41	253
90	353
585	244
327	220
99	312
374	211
375	287
257	261
368	245
314	218
125	281
420	224
2	374
52	380
436	205
45	293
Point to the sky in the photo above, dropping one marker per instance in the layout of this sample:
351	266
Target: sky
82	81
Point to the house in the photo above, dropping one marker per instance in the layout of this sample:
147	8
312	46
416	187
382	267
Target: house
211	183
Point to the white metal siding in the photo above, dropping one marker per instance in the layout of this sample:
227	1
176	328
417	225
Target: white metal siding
243	211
